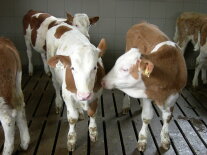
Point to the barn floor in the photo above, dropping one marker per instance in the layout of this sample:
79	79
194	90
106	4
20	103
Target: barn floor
117	132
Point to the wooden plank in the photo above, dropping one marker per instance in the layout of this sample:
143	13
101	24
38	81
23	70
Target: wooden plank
35	132
61	145
112	131
194	142
125	127
195	105
45	101
35	99
48	138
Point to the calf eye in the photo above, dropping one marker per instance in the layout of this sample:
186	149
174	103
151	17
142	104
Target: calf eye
95	68
124	69
76	25
72	68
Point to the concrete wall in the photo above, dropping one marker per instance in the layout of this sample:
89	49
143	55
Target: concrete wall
116	16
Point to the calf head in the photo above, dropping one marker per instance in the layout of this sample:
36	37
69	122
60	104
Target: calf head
81	69
82	22
127	71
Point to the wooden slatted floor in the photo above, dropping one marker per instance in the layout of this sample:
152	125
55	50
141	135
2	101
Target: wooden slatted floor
117	132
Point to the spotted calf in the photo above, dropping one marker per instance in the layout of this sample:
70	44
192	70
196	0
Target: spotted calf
11	97
192	27
77	68
36	24
152	69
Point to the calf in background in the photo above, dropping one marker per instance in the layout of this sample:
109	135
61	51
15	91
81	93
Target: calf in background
36	24
191	26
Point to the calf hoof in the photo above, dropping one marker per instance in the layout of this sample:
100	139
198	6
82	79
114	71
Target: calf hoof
24	146
93	133
71	146
71	141
165	145
125	110
142	146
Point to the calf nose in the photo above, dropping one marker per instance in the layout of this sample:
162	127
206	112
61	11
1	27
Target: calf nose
84	96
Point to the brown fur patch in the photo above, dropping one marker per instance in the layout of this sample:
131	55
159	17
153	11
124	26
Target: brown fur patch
99	76
34	22
169	75
92	108
27	19
70	83
10	64
145	37
52	24
61	30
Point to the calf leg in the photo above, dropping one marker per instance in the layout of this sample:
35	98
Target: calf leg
58	99
184	45
147	114
23	129
167	110
195	78
29	55
72	115
8	124
46	67
126	105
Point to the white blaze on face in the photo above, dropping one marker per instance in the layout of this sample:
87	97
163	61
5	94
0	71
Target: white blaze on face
81	21
119	77
84	68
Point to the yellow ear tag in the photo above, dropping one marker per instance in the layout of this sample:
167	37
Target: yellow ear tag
146	72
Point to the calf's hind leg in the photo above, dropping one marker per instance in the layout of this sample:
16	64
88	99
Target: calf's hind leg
167	109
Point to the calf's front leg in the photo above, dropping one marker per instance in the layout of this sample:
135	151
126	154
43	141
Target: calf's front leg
147	115
93	133
72	115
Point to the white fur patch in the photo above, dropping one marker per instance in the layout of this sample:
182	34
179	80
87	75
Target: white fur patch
170	43
59	65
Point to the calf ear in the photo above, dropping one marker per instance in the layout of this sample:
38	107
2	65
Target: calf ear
102	47
93	20
65	60
69	17
145	66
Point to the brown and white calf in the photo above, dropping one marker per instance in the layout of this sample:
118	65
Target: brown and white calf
11	97
77	68
192	27
152	69
36	24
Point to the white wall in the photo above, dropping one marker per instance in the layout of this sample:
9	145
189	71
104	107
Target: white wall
116	16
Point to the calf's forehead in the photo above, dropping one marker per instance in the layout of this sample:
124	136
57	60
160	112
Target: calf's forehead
85	58
128	58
